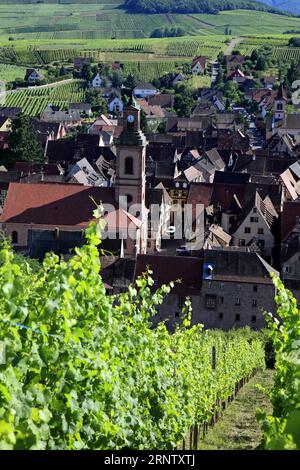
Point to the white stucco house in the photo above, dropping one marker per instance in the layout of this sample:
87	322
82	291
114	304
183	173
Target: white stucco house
97	81
33	76
198	65
116	105
145	90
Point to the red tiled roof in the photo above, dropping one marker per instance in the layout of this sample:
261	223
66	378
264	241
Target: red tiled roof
49	169
223	194
200	193
172	268
260	94
201	60
235	73
116	66
53	204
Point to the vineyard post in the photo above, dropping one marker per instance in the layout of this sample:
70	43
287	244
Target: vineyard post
213	358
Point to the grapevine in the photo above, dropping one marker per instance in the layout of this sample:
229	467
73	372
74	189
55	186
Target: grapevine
85	370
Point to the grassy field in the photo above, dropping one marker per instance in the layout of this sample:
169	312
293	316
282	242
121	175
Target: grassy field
9	72
106	20
238	428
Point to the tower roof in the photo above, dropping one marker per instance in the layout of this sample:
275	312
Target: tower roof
133	103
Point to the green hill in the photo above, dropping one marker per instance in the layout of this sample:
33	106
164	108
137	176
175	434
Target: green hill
195	6
286	5
90	21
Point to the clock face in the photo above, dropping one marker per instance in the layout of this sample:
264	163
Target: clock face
130	118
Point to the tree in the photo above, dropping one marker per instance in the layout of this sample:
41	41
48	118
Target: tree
232	93
62	71
254	56
87	73
143	121
292	74
261	63
294	42
162	127
184	100
130	82
95	99
117	79
23	144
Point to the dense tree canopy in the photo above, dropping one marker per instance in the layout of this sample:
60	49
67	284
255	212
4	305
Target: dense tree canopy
23	145
195	6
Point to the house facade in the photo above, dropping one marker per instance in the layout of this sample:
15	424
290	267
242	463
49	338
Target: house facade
198	65
228	288
97	81
116	106
256	225
33	76
145	90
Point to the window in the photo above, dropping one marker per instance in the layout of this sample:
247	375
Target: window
237	317
129	198
254	210
211	302
260	231
181	301
254	288
242	242
221	300
220	316
149	244
3	194
279	106
253	318
237	301
287	269
254	303
56	233
128	166
222	285
14	237
247	229
254	219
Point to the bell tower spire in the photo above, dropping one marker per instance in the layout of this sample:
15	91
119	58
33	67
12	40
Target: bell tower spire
131	167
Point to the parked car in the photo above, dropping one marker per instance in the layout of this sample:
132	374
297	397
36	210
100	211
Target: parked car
183	251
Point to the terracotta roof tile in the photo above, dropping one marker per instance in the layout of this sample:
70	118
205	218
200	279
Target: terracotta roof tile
172	268
53	204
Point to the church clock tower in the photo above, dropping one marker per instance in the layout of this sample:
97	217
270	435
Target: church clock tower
130	180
